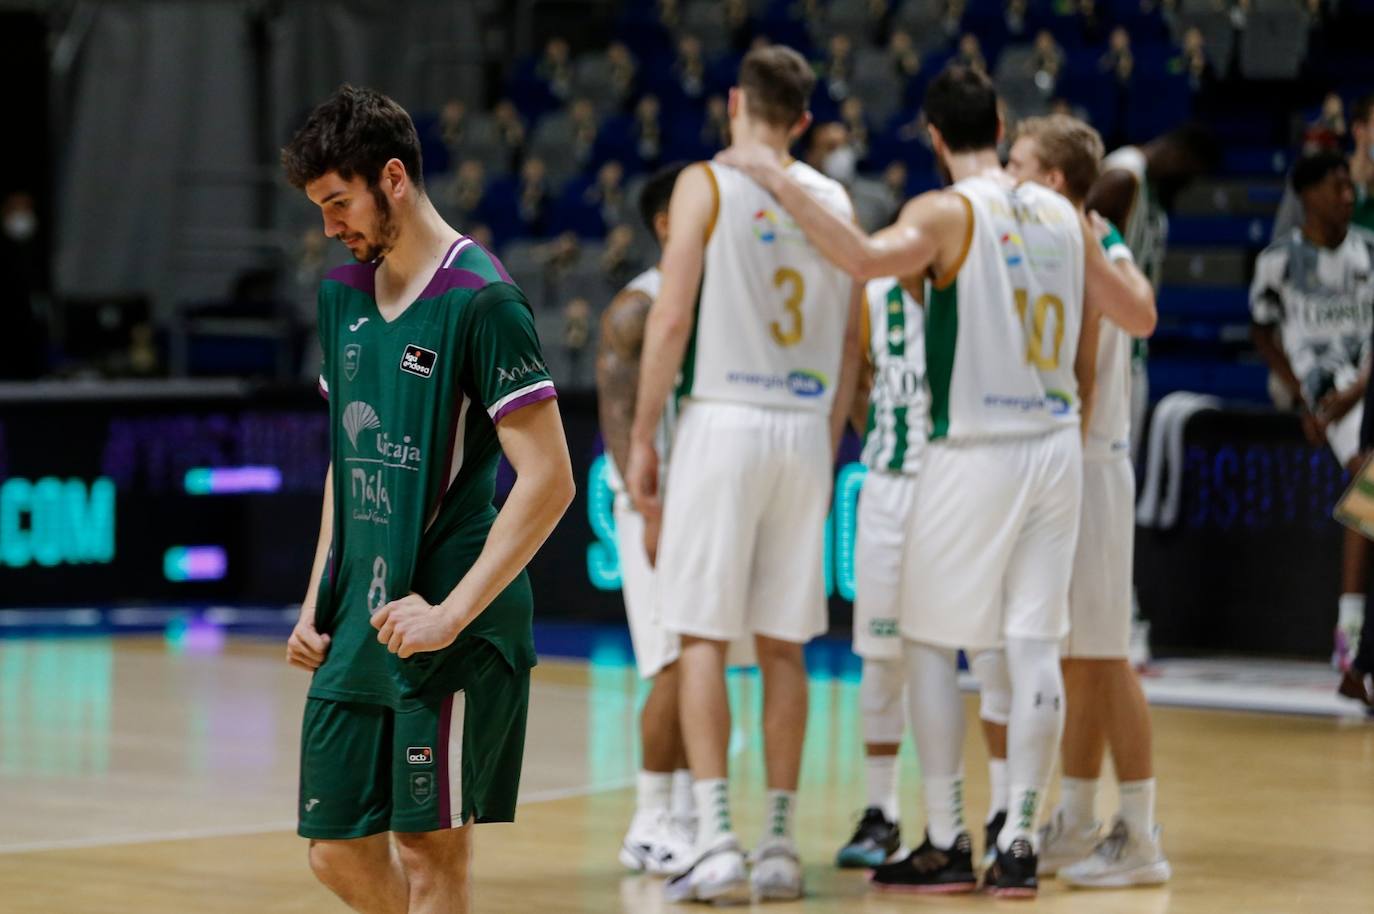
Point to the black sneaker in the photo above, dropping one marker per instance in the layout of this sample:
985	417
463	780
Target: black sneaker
930	870
990	833
874	842
1012	874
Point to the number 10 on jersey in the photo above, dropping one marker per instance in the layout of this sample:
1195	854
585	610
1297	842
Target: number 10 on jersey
1035	330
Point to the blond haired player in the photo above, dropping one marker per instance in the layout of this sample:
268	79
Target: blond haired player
1104	699
760	334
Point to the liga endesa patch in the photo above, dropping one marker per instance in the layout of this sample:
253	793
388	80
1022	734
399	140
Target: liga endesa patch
419	361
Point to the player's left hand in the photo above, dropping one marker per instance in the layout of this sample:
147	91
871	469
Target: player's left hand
411	625
1099	225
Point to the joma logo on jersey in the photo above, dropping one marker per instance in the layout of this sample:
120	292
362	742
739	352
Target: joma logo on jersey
401	454
419	755
369	491
519	372
419	361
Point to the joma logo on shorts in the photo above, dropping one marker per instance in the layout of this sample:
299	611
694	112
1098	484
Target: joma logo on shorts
419	755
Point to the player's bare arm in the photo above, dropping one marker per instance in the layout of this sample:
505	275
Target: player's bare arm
1117	296
617	369
306	648
851	366
909	246
668	328
532	441
1113	195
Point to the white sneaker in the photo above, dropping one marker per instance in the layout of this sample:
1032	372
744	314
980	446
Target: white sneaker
717	875
1061	845
654	845
777	873
1121	859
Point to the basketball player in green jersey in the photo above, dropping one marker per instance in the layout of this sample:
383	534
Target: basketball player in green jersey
416	624
1015	272
1104	700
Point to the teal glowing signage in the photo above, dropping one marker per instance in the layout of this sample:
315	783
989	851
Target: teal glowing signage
53	521
603	555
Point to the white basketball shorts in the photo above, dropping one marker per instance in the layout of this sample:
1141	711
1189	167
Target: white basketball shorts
1100	592
885	506
743	540
992	541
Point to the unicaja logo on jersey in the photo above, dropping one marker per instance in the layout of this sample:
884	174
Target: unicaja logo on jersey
401	454
359	417
806	383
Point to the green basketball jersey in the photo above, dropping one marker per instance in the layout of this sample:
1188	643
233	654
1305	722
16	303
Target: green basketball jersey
893	327
414	405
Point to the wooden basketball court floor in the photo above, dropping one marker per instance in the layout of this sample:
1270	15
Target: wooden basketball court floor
136	777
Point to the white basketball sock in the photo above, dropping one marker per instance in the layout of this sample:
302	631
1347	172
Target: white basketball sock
937	720
654	790
781	811
713	810
1350	616
1037	720
1138	806
882	784
1078	801
684	805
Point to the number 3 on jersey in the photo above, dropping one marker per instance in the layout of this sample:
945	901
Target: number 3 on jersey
797	292
1040	317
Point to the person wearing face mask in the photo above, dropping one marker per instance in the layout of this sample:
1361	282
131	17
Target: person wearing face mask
21	275
830	152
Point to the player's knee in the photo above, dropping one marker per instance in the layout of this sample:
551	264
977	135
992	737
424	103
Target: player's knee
775	652
1035	674
434	858
334	863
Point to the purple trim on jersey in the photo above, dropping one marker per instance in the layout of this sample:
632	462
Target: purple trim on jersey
360	276
441	763
534	396
453	278
319	386
496	262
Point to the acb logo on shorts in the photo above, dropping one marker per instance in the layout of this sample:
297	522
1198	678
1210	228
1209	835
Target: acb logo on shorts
420	755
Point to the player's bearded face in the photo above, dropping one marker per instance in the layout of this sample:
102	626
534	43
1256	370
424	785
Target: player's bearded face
382	236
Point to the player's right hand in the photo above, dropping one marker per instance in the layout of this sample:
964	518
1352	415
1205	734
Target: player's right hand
306	647
641	478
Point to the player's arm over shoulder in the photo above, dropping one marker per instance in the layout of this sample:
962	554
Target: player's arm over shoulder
1125	299
622	324
931	237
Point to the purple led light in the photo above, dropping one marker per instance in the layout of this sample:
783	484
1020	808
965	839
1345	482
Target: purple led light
204	563
232	480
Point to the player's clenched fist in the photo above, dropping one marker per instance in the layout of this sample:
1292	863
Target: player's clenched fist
412	625
306	647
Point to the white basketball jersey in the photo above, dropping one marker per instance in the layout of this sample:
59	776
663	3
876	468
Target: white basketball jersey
771	312
894	334
1002	332
649	283
1109	429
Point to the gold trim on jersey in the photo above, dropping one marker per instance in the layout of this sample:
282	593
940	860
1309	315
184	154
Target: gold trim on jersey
715	202
946	279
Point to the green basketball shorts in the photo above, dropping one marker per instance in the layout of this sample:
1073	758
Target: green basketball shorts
432	764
